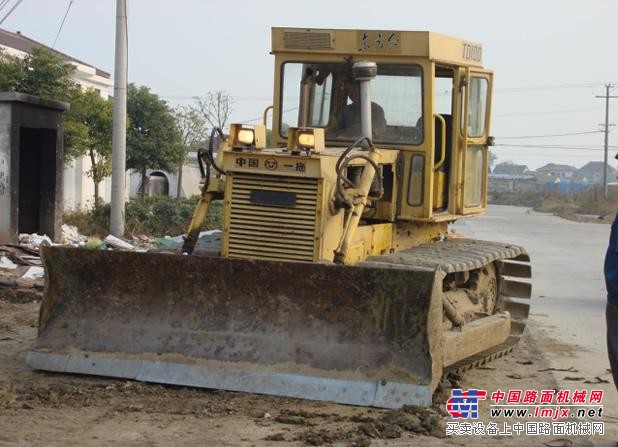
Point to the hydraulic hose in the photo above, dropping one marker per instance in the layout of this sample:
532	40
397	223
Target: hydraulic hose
211	146
343	162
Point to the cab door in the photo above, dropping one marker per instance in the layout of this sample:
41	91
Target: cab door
473	157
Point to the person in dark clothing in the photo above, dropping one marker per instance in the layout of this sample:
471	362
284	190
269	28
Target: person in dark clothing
611	313
350	120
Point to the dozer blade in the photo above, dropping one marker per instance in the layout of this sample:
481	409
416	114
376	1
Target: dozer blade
353	335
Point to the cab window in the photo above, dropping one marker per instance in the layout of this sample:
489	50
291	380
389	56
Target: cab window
325	95
477	110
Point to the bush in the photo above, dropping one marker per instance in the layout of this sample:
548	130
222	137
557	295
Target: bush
151	216
543	201
590	201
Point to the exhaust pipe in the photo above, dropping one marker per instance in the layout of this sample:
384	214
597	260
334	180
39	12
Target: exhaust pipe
364	72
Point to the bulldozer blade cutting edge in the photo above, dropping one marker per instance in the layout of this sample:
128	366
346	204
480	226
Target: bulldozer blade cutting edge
349	334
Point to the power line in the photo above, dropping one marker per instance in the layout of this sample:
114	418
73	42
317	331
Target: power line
550	146
586	146
548	87
500	90
548	136
3	4
549	112
261	117
62	24
10	11
235	98
252	120
553	157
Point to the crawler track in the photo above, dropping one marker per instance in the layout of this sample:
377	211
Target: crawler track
458	255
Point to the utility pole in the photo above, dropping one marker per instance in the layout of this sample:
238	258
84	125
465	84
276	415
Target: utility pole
119	134
608	86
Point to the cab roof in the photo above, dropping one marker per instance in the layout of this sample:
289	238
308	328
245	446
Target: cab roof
436	47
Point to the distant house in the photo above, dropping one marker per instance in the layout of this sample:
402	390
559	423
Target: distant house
507	168
78	188
512	183
592	172
556	171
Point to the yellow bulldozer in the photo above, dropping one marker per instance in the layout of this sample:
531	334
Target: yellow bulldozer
335	276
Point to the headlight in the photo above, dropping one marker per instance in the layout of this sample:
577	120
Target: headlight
306	140
246	136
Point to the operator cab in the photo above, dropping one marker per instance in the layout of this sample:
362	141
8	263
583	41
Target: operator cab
430	101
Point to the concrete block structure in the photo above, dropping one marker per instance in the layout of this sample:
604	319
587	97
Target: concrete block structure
31	166
78	187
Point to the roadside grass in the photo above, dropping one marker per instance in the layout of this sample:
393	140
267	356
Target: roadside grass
156	216
588	202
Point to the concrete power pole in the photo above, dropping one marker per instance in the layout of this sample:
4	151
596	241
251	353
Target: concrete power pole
608	86
119	137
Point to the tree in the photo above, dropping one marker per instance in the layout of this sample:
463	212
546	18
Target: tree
510	168
88	131
153	138
192	127
492	159
40	73
216	108
11	72
88	123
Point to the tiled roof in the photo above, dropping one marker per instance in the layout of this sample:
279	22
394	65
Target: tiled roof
20	42
510	169
596	166
556	167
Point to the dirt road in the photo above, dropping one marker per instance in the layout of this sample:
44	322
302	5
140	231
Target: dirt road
38	408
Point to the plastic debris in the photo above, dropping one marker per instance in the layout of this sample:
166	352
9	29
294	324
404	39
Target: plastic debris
30	260
177	241
34	239
118	243
7	264
70	235
34	273
166	241
93	243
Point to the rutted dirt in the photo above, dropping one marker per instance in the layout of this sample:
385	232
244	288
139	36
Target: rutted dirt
38	408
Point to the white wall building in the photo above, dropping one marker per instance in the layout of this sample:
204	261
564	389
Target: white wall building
78	187
166	183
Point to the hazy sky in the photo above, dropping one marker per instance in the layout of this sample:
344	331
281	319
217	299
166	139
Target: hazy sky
550	57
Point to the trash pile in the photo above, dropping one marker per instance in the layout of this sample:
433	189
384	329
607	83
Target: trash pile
21	273
22	277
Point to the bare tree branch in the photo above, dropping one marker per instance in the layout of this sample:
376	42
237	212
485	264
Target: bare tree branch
216	108
191	124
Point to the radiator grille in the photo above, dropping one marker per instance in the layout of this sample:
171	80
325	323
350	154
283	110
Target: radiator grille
308	41
269	232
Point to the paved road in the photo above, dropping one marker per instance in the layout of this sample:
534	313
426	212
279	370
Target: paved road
568	302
